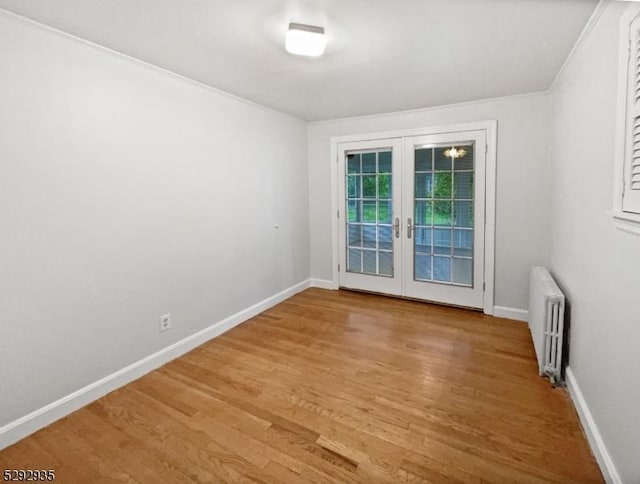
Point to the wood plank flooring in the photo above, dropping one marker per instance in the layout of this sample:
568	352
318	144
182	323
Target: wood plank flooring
330	386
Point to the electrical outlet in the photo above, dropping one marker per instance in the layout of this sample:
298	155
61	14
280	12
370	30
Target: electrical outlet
165	322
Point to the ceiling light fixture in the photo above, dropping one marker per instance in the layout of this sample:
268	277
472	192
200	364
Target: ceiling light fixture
455	153
306	40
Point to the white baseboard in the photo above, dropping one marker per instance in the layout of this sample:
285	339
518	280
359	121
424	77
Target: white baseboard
511	313
598	448
20	428
323	283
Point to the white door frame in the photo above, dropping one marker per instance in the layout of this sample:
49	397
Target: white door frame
491	128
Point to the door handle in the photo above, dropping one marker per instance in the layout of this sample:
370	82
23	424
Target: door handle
409	228
396	227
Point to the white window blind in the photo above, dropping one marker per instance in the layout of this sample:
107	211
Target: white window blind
631	170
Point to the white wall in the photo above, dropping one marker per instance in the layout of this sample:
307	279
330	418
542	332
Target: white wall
522	219
595	263
126	193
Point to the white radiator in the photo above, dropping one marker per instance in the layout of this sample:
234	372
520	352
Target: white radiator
546	322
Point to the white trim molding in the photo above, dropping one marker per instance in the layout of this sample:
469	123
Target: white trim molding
145	64
511	313
323	284
627	222
491	129
24	426
598	448
427	109
582	38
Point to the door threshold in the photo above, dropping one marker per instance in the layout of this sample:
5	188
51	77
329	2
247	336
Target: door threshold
415	299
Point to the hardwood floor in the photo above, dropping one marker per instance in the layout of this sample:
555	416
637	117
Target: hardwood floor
330	387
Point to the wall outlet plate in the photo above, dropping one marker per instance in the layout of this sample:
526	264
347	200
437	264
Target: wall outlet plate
165	322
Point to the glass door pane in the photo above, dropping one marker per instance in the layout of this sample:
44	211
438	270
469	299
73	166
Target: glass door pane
443	204
443	214
369	209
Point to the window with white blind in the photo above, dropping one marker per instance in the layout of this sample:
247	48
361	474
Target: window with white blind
627	201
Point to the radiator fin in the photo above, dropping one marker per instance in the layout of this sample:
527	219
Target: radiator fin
635	155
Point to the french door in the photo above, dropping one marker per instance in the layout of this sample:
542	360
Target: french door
412	216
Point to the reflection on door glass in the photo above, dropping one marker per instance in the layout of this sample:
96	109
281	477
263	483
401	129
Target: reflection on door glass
443	214
369	213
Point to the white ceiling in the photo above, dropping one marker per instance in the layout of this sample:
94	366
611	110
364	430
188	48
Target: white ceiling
382	55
